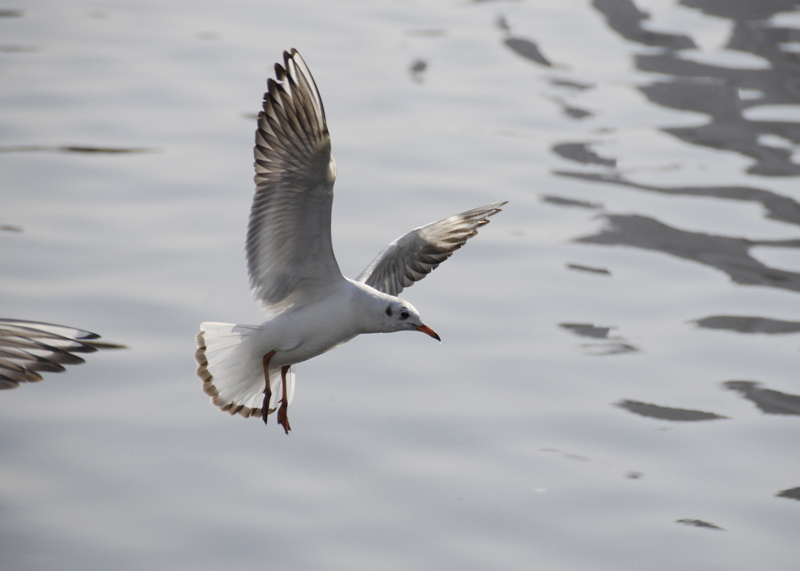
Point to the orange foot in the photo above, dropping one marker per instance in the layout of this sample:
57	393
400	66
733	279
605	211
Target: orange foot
283	410
267	391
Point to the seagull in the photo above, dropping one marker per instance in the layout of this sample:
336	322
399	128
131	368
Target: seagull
28	348
310	306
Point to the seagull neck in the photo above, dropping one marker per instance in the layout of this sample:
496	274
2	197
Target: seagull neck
368	307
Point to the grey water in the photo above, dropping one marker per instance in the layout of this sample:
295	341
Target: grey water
617	386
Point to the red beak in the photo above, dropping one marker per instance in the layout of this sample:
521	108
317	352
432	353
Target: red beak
428	331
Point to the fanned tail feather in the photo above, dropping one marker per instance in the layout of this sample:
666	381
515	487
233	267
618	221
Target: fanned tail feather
231	368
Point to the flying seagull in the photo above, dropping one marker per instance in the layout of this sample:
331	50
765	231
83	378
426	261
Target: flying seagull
311	307
29	348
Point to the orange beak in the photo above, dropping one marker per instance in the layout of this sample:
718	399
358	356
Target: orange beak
428	331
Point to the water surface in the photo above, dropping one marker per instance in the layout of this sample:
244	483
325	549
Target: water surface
617	386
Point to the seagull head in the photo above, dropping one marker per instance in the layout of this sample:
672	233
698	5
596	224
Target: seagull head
399	315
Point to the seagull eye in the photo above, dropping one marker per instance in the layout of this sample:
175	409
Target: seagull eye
389	310
403	314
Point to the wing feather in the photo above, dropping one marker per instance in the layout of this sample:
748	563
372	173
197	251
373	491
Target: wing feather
289	251
413	256
28	348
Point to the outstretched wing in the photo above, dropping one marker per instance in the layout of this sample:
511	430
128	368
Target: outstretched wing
289	250
28	348
413	256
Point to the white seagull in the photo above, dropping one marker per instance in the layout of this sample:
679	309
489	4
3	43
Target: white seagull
311	307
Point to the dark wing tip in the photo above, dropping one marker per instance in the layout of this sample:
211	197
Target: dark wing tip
31	346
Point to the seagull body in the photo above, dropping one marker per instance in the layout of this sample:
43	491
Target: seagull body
311	307
305	331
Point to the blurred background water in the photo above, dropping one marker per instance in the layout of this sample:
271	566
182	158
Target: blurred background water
618	382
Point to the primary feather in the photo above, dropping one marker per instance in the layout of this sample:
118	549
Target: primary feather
29	348
416	254
289	251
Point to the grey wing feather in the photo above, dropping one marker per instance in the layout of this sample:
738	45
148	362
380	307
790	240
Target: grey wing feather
28	348
413	256
289	251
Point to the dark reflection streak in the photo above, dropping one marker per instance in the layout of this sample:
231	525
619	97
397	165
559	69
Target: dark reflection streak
791	493
570	84
582	153
609	346
589	269
667	413
626	19
746	324
587	330
699	523
730	255
742	9
527	49
753	33
728	129
570	110
778	207
714	90
562	201
522	46
73	149
417	69
607	349
767	400
775	90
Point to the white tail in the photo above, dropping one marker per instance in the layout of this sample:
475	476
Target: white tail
231	367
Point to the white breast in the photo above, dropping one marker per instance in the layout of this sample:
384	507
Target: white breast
310	330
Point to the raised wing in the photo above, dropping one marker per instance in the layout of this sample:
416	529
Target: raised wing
28	348
413	256
289	250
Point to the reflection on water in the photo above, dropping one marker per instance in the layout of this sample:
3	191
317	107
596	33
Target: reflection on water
527	49
562	201
767	400
791	493
615	345
417	70
667	413
522	46
589	269
777	206
730	255
649	146
625	18
582	153
727	128
742	324
72	149
699	523
587	330
714	90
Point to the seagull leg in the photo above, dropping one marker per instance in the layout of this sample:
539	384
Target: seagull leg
283	418
267	390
